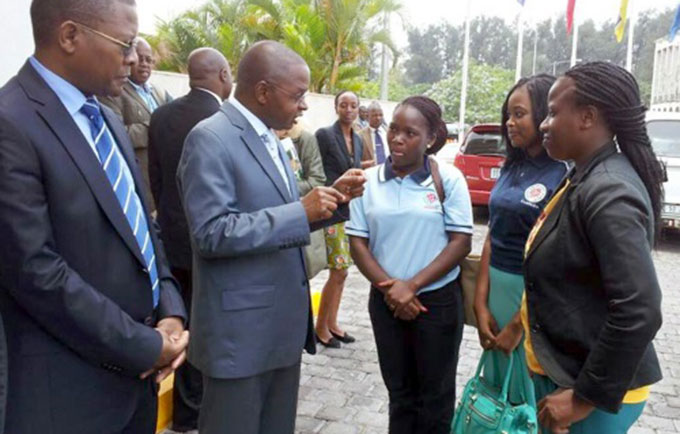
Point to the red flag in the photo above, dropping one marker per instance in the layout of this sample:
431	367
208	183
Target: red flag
571	4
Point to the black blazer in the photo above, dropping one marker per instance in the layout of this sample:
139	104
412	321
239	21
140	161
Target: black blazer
336	159
75	296
593	295
170	125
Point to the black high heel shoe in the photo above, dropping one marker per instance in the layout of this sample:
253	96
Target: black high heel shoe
346	339
332	342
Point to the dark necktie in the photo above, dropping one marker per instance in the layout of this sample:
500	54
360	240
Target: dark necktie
379	148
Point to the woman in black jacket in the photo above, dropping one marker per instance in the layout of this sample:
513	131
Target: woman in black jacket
341	149
592	302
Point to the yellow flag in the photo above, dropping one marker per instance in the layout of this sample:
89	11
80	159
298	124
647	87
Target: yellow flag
621	23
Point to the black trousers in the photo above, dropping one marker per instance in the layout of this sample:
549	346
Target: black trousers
418	360
144	419
188	385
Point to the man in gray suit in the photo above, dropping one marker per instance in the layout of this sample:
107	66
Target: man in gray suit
251	306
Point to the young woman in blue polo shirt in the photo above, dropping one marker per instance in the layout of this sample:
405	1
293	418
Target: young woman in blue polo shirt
528	179
408	241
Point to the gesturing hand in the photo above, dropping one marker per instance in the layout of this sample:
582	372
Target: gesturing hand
351	184
320	203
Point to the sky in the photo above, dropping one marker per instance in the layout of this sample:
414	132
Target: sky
421	13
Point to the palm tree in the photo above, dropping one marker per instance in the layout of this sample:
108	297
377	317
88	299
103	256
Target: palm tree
333	36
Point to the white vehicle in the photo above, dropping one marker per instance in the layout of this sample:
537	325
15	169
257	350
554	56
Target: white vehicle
664	131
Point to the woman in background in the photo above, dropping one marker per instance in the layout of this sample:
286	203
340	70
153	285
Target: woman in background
341	149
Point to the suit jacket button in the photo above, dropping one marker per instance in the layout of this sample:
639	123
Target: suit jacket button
148	321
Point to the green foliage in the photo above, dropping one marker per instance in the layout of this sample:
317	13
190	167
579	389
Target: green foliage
487	88
333	36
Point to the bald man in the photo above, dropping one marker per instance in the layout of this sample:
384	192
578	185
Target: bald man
210	82
251	303
135	105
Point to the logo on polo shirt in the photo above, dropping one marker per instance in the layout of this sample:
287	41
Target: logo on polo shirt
535	193
432	201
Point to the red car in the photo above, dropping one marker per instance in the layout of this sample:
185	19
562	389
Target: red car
480	158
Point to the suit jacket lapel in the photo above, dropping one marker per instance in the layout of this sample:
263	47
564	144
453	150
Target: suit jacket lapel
340	142
67	132
257	148
550	223
292	181
358	148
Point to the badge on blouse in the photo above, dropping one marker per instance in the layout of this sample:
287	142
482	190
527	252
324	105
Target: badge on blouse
535	193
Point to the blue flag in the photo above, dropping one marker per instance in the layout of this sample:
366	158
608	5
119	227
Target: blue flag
521	2
676	24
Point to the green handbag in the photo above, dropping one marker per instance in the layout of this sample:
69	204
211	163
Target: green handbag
484	409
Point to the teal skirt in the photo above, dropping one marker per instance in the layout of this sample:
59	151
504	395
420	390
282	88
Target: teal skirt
505	297
598	421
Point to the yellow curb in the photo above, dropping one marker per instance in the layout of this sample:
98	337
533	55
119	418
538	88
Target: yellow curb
316	299
165	404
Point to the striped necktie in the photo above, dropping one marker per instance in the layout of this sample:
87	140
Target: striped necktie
112	163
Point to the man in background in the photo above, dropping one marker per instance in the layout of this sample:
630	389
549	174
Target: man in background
210	82
374	136
362	120
135	105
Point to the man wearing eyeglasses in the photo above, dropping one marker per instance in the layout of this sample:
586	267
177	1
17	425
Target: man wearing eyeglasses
135	105
251	305
91	312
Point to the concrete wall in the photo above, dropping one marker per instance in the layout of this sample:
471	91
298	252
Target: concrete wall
321	112
16	36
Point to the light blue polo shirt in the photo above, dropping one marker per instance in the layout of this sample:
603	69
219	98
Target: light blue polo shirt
404	221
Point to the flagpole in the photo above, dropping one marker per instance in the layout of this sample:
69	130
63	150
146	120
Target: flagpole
463	88
533	68
574	39
520	43
631	28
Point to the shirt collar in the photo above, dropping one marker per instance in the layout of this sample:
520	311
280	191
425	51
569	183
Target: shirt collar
259	126
217	97
69	95
418	176
541	160
146	87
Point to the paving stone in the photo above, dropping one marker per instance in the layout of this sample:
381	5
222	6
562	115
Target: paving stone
333	413
308	408
340	428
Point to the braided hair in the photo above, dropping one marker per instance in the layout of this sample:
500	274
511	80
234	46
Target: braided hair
614	92
538	87
433	115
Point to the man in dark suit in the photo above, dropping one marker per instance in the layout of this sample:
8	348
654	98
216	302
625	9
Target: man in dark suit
251	304
91	311
135	105
210	82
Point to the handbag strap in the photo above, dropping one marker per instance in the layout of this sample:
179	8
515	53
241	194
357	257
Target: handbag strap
437	179
508	375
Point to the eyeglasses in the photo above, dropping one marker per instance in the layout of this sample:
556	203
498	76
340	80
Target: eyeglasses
298	97
128	47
